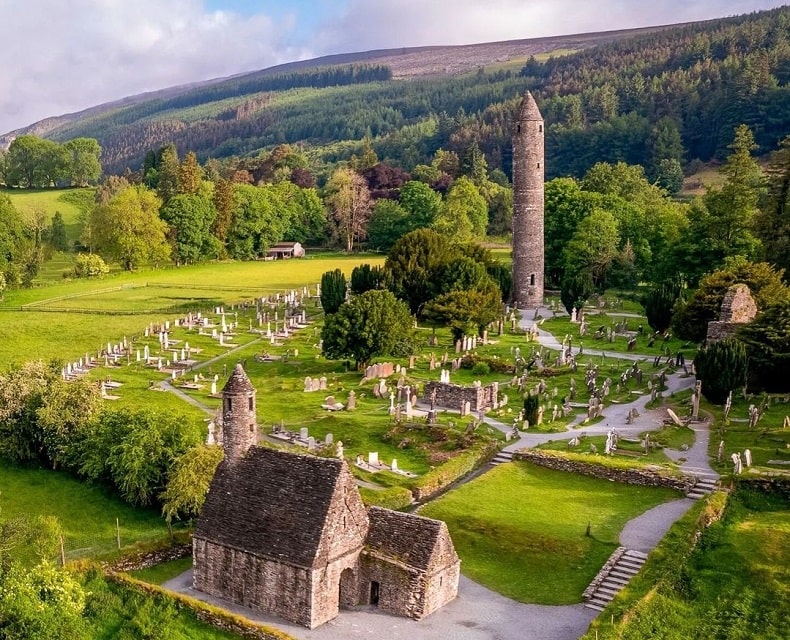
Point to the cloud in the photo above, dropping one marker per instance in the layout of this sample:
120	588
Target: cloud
65	56
401	23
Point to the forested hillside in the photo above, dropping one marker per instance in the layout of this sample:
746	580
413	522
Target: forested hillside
660	99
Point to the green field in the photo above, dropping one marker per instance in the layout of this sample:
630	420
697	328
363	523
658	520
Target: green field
87	514
96	307
525	537
30	202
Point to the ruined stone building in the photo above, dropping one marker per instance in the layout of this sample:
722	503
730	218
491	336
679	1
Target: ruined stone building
528	175
288	534
737	308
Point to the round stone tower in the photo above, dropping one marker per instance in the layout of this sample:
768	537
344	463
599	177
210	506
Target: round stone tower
528	205
239	427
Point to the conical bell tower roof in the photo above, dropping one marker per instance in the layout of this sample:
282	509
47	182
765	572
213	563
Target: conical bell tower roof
529	108
238	382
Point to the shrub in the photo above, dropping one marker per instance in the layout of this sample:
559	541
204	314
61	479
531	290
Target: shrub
722	368
364	278
90	265
481	369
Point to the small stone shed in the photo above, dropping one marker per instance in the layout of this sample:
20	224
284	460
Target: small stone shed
288	534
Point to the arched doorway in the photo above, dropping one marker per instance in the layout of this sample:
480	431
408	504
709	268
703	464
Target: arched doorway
348	589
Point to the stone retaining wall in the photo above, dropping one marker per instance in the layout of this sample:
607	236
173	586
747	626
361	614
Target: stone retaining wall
147	559
642	477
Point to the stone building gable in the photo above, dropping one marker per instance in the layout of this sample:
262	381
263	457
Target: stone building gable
738	305
238	382
282	506
737	308
416	541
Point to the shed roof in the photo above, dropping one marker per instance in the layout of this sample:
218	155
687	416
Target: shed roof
414	540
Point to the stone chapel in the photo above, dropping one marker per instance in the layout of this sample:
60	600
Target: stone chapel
288	534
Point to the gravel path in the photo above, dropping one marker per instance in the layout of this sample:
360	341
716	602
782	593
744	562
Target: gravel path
644	532
476	614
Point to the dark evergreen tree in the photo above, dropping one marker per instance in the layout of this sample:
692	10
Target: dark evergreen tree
57	233
365	278
721	367
333	290
659	305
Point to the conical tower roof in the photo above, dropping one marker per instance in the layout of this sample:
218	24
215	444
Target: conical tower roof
529	108
238	382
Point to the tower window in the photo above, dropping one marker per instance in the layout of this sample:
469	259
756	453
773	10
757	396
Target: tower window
538	165
540	128
252	427
228	404
532	280
518	128
251	407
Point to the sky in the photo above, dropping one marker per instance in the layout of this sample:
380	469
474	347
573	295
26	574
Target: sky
61	56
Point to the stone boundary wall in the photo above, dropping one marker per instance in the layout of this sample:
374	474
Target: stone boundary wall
641	477
206	613
146	559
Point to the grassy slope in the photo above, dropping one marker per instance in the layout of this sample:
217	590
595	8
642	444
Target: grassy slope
86	513
733	585
47	201
526	537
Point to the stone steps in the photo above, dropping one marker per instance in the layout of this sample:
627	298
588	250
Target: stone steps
627	564
703	487
501	457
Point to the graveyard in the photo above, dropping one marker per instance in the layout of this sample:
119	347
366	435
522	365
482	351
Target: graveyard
407	426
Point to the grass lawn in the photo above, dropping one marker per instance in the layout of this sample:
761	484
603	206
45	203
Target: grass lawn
769	441
562	326
161	573
49	201
31	334
525	537
625	455
86	513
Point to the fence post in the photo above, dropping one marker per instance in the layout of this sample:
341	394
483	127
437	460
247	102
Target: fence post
62	553
117	533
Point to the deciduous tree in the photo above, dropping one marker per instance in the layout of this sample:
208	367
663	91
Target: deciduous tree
128	228
348	198
369	325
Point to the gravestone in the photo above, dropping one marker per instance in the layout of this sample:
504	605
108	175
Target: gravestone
352	401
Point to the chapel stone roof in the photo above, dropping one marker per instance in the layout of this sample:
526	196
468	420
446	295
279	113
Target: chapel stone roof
420	542
273	504
529	108
238	382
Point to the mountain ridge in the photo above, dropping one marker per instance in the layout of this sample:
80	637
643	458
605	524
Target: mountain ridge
404	62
